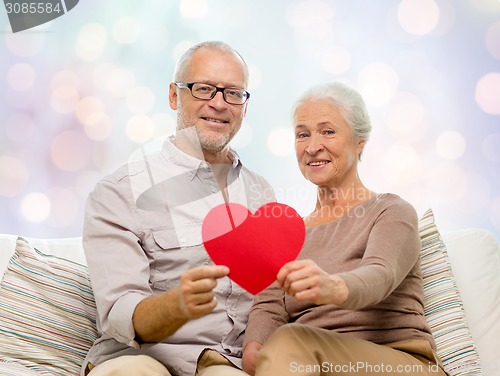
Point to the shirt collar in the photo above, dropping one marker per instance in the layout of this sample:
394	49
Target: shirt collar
173	153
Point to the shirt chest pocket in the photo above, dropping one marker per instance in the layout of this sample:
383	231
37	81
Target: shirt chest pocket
175	251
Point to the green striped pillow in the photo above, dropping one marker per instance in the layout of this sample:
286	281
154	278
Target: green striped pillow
443	306
47	312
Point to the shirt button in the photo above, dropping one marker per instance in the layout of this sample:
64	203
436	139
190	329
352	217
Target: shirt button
213	189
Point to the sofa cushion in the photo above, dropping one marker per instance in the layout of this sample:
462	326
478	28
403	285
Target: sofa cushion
475	258
7	247
47	312
443	306
67	248
14	369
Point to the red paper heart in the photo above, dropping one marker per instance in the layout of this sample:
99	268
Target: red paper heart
253	246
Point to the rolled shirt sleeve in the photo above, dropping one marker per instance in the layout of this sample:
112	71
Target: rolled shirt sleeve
119	268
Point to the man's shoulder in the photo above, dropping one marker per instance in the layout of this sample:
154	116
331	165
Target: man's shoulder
132	168
119	175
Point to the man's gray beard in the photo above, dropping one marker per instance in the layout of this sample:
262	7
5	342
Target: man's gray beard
210	144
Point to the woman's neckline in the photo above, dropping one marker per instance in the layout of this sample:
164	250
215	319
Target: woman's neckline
346	213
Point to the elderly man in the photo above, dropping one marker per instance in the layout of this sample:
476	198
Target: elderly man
163	307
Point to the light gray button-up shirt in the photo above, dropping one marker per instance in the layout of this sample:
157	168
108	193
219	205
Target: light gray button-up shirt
142	231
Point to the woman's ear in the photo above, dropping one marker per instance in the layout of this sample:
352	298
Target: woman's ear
360	148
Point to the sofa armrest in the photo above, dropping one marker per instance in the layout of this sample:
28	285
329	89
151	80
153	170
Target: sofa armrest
474	255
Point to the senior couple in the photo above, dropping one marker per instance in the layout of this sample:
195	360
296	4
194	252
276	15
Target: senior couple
352	300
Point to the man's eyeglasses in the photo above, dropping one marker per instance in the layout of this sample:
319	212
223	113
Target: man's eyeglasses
206	92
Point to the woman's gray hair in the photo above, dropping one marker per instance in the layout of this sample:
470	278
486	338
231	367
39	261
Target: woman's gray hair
347	100
183	61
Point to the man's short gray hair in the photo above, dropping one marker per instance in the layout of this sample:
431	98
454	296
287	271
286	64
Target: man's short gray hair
183	61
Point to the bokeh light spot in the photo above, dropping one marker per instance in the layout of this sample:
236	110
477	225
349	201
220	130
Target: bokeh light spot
89	110
418	17
488	93
310	18
140	100
155	39
280	141
164	124
21	77
140	129
13	175
25	44
119	82
237	14
255	79
65	78
336	60
126	30
70	151
489	6
35	207
64	206
91	41
193	8
493	40
447	182
64	91
450	145
405	114
401	165
244	136
99	130
378	83
478	192
64	99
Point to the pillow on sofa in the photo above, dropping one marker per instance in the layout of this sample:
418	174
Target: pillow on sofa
67	248
47	312
443	306
475	258
14	369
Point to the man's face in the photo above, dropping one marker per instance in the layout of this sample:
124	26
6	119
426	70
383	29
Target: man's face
216	121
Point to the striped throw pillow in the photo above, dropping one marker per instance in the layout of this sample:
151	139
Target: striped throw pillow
14	369
47	313
443	307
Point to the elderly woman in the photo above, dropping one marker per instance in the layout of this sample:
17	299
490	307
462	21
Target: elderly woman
352	303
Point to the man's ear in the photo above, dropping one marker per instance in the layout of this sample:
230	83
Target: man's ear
172	96
245	109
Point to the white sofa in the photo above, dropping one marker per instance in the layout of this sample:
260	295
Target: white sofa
47	312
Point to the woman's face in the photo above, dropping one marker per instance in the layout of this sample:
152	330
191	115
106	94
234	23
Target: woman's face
327	151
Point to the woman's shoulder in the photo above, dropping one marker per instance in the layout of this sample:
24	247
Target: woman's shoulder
391	198
395	203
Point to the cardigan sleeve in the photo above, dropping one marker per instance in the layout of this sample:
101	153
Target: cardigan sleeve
391	252
268	313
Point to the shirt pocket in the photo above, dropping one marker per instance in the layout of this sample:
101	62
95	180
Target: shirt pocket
176	250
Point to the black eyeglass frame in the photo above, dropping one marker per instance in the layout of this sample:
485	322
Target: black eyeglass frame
189	85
